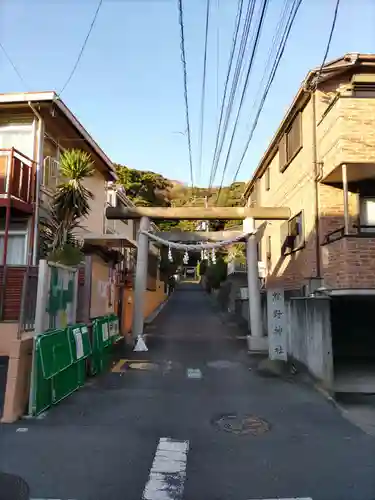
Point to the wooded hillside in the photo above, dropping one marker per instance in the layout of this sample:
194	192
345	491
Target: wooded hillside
150	189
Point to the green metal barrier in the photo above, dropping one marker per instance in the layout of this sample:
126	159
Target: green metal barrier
114	328
59	365
55	352
105	333
61	356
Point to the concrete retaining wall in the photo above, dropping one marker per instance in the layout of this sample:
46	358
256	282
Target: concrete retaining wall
310	340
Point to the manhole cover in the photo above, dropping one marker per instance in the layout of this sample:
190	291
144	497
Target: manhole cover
222	364
236	424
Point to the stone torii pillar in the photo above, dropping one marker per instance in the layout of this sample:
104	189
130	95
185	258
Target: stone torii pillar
256	341
140	285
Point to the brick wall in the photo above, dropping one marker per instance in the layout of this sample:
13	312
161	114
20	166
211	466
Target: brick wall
349	263
293	188
347	133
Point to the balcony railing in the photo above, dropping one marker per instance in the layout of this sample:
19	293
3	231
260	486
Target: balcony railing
356	231
17	176
236	266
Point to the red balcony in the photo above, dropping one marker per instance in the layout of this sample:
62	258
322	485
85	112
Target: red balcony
17	180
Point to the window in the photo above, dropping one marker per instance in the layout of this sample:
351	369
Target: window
292	235
111	197
254	195
291	143
267	179
367	214
19	137
17	248
268	248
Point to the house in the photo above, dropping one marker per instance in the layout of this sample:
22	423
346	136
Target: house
321	164
35	128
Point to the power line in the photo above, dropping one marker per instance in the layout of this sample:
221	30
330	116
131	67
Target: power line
217	60
230	63
280	52
236	78
252	57
183	60
9	59
201	127
82	48
328	46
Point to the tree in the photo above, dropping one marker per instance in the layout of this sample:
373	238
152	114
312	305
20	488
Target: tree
144	188
70	203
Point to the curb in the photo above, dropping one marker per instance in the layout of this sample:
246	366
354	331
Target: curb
157	311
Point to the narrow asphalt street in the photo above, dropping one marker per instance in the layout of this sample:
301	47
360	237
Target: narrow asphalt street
193	388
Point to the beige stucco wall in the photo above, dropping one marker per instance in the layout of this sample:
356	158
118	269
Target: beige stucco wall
99	297
18	376
8	334
95	220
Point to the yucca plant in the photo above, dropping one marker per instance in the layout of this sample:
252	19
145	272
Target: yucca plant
71	200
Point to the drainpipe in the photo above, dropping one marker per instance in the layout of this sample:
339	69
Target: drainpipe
38	182
316	187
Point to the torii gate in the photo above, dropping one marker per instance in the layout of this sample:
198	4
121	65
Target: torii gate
246	214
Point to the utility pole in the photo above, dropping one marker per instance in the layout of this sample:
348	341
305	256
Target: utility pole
206	206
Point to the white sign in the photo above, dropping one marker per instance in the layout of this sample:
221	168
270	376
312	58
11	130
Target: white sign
79	344
277	333
105	332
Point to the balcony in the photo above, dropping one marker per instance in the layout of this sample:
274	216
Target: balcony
349	258
17	180
345	136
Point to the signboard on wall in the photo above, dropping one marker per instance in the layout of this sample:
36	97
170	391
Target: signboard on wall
276	322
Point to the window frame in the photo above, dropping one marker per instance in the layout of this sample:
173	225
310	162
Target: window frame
267	179
283	144
16	233
366	228
286	249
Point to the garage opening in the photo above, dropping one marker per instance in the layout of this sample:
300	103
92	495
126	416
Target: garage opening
353	344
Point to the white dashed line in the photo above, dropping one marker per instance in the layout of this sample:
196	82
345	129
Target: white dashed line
168	471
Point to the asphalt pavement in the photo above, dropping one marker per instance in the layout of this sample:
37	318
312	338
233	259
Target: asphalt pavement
191	419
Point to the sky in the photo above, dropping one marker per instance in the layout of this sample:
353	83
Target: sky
128	88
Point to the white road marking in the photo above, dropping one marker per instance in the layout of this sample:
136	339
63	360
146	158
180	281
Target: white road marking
168	471
292	498
193	373
22	429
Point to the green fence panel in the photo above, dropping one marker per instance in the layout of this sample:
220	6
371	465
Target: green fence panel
60	359
102	341
80	341
42	399
64	383
114	328
55	352
97	345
